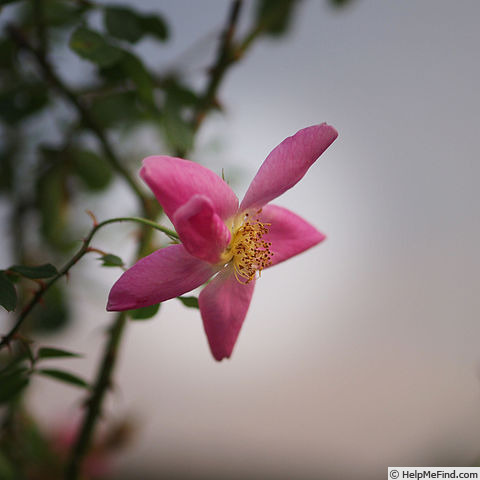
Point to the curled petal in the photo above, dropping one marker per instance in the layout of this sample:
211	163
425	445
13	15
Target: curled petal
223	304
201	230
287	164
164	274
174	181
288	233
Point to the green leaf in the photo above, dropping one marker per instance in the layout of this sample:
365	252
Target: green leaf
110	260
12	384
37	271
8	294
191	302
180	94
274	16
93	170
123	23
63	376
116	109
55	13
50	352
156	26
126	24
134	68
92	46
59	13
144	313
22	99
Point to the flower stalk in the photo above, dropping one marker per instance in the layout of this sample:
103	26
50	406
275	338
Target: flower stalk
84	249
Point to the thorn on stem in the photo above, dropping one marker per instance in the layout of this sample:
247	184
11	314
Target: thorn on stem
93	217
40	283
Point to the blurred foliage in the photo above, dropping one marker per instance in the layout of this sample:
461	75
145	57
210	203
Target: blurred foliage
8	294
22	99
53	314
179	131
29	451
129	25
94	47
13	382
54	13
56	144
340	3
92	169
275	15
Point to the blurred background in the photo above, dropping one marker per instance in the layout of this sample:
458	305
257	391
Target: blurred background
359	354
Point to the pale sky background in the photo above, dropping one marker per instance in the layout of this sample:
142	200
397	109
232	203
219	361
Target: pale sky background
364	351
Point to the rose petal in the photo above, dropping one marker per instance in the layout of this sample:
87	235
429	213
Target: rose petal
223	304
164	274
201	230
174	181
289	233
287	164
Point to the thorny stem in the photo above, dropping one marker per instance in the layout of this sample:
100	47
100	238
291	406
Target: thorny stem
6	339
94	403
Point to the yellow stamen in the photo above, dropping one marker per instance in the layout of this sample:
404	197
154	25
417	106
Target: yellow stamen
248	252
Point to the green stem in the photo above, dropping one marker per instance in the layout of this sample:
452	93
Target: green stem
66	268
105	370
144	221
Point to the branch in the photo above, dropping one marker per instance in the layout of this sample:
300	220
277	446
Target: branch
19	38
225	58
104	374
94	403
6	339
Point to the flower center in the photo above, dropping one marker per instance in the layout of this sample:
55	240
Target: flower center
247	250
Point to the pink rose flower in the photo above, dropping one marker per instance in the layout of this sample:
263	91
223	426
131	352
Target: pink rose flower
220	238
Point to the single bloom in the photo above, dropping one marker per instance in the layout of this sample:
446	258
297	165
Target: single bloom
221	239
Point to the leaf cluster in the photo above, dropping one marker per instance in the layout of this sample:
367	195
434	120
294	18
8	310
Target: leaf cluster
17	368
